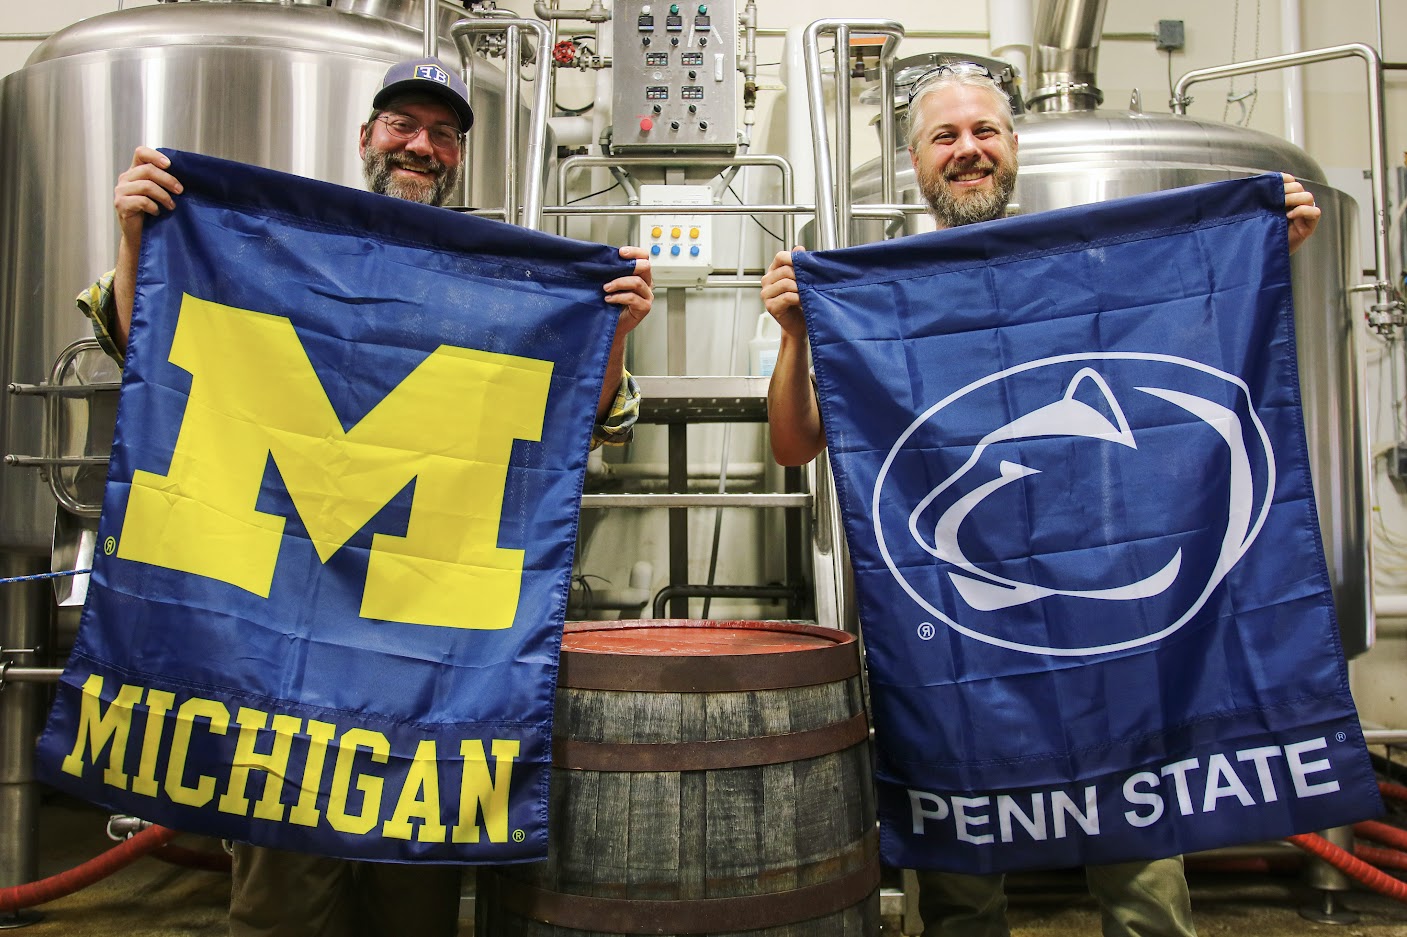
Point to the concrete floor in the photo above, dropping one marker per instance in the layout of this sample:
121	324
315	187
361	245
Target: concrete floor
154	899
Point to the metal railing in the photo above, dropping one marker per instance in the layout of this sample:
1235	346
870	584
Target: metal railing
53	392
1387	312
833	210
532	183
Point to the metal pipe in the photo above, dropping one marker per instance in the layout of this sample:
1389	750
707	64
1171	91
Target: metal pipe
820	142
732	283
845	208
431	29
537	129
775	32
1291	37
1065	55
826	210
23	617
716	592
466	71
569	165
512	97
596	13
709	500
29	674
1388	301
894	215
1323	876
748	66
844	153
1379	9
888	181
570	210
1385	736
1270	849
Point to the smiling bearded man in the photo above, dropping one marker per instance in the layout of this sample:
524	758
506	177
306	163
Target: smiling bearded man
963	148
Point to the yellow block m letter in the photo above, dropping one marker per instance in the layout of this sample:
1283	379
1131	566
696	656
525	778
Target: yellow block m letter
450	426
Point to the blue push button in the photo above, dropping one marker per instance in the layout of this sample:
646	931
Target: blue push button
674	251
655	250
694	251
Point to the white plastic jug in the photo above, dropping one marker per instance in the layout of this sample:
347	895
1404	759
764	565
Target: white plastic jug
762	348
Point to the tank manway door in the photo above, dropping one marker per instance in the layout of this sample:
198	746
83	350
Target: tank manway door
675	71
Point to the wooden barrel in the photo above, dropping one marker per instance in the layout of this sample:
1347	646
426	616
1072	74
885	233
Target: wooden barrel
709	777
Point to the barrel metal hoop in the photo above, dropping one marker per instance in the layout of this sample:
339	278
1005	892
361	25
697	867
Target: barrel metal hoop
711	755
585	670
697	916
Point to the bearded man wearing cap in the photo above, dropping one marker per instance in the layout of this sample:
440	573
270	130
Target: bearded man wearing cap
411	147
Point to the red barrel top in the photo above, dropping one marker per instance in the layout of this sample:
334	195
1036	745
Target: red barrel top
695	638
693	656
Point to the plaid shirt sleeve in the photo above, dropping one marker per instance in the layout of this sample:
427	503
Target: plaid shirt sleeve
619	425
99	305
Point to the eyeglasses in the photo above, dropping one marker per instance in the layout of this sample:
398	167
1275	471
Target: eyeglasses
442	136
952	68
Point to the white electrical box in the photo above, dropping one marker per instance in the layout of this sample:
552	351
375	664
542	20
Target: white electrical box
679	243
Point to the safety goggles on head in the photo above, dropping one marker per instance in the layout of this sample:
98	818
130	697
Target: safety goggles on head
952	68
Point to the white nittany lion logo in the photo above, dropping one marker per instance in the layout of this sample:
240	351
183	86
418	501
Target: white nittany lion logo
1071	528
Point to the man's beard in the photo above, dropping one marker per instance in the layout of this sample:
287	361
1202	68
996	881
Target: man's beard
378	167
952	210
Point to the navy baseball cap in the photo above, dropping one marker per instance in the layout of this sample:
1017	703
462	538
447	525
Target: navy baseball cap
427	76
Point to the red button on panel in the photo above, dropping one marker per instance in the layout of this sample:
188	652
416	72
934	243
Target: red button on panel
646	125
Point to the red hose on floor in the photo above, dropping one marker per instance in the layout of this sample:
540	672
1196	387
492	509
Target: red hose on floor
1356	869
95	869
1392	791
1382	858
1381	833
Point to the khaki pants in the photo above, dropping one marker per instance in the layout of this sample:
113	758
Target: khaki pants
1136	899
291	894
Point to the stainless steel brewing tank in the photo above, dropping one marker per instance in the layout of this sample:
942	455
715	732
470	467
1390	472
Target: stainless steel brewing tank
1078	158
281	86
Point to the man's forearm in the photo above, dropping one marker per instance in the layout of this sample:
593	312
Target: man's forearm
793	413
615	372
124	291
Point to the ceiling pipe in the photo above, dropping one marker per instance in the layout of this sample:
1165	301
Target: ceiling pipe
1065	56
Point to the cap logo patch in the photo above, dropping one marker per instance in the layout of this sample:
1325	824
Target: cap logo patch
432	73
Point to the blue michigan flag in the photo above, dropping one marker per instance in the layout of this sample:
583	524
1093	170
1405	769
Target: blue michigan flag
337	537
1073	473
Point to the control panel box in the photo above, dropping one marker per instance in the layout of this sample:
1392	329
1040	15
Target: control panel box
680	243
674	71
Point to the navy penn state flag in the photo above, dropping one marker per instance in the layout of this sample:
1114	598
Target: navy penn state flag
337	537
1072	467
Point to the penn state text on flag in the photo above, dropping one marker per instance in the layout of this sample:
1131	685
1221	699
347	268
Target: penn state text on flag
1072	467
338	528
